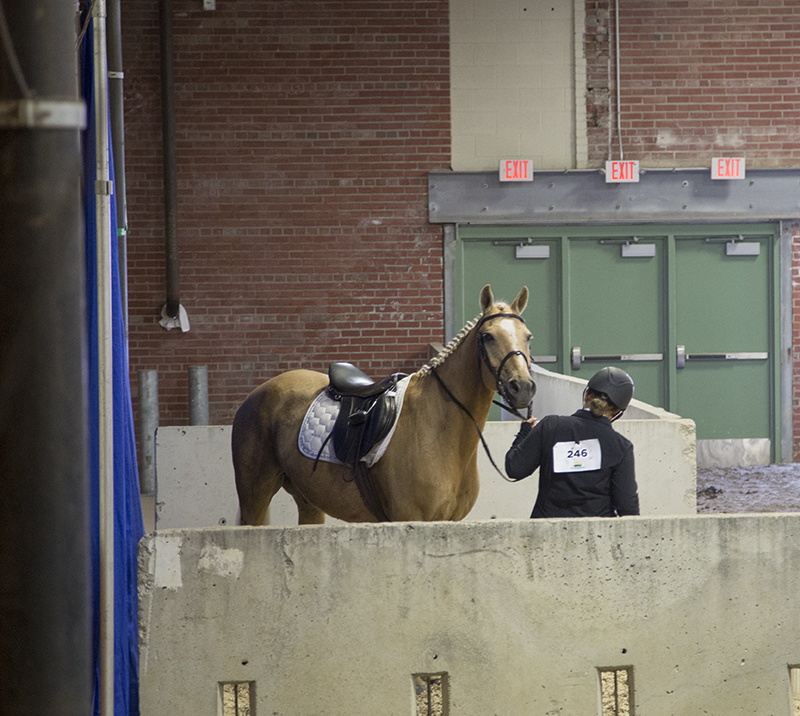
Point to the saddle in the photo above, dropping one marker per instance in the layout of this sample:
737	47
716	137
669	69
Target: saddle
367	410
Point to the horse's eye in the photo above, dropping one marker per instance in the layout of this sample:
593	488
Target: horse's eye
487	337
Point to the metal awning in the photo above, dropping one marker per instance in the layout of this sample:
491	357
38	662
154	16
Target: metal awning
663	195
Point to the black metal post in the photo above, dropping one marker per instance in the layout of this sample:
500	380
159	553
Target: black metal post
170	172
45	615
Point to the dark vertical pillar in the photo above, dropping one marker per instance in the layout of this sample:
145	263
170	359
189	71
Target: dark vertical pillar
45	624
170	166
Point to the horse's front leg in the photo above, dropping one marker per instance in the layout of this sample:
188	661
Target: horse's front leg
307	514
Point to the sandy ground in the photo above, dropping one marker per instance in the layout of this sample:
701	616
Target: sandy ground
770	488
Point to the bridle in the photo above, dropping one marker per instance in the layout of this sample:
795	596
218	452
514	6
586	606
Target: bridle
484	357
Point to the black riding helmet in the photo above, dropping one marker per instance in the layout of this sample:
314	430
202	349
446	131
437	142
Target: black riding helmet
613	383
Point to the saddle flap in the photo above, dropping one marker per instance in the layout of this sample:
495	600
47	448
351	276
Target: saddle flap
361	423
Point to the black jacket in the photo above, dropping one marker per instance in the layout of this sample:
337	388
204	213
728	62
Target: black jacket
605	492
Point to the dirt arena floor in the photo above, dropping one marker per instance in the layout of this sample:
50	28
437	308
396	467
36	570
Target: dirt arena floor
761	488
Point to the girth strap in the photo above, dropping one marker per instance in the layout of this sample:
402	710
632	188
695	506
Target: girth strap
369	493
367	412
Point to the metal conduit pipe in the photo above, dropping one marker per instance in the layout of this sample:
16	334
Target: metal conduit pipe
198	395
610	123
148	424
618	88
45	613
615	116
116	107
170	174
105	356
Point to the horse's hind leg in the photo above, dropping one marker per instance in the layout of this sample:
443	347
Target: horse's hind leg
256	483
256	469
255	499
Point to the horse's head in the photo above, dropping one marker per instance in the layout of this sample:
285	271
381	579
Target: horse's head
504	347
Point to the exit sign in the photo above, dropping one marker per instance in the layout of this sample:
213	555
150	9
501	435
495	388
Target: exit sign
622	171
516	170
727	168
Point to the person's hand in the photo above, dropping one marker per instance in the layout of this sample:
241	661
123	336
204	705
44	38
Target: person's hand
532	421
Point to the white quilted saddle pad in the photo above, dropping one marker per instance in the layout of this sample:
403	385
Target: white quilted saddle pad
320	419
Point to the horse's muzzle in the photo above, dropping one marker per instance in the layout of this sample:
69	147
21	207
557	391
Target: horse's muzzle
520	392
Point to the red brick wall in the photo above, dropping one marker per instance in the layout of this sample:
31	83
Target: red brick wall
305	133
699	80
599	81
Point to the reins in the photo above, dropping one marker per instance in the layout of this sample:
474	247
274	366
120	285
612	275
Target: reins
483	356
474	422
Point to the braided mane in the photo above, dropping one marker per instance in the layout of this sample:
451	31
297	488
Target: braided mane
450	348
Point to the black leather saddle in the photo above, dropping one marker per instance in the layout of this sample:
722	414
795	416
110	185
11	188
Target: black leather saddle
367	412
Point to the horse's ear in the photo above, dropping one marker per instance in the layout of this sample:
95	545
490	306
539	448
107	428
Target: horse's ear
520	301
487	299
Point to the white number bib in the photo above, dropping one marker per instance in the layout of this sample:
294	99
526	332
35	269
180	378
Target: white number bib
577	457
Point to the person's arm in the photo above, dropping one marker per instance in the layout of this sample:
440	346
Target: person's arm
524	455
624	492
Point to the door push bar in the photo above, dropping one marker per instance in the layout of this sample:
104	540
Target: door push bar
577	358
681	356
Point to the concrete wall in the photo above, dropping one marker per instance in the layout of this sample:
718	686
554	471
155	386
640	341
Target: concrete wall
195	485
733	453
559	394
520	615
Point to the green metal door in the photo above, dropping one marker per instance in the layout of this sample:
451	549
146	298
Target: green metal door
724	334
693	320
615	314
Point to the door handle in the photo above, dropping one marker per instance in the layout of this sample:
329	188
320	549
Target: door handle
681	356
578	358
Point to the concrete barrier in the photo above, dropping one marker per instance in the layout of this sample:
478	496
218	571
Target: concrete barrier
195	484
519	616
559	394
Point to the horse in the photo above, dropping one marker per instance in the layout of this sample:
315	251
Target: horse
429	469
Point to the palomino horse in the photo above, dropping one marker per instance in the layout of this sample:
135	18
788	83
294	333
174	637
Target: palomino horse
429	469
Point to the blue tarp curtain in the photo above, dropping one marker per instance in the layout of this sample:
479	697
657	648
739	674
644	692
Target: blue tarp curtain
128	525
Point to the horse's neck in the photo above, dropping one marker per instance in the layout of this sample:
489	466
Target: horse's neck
461	373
